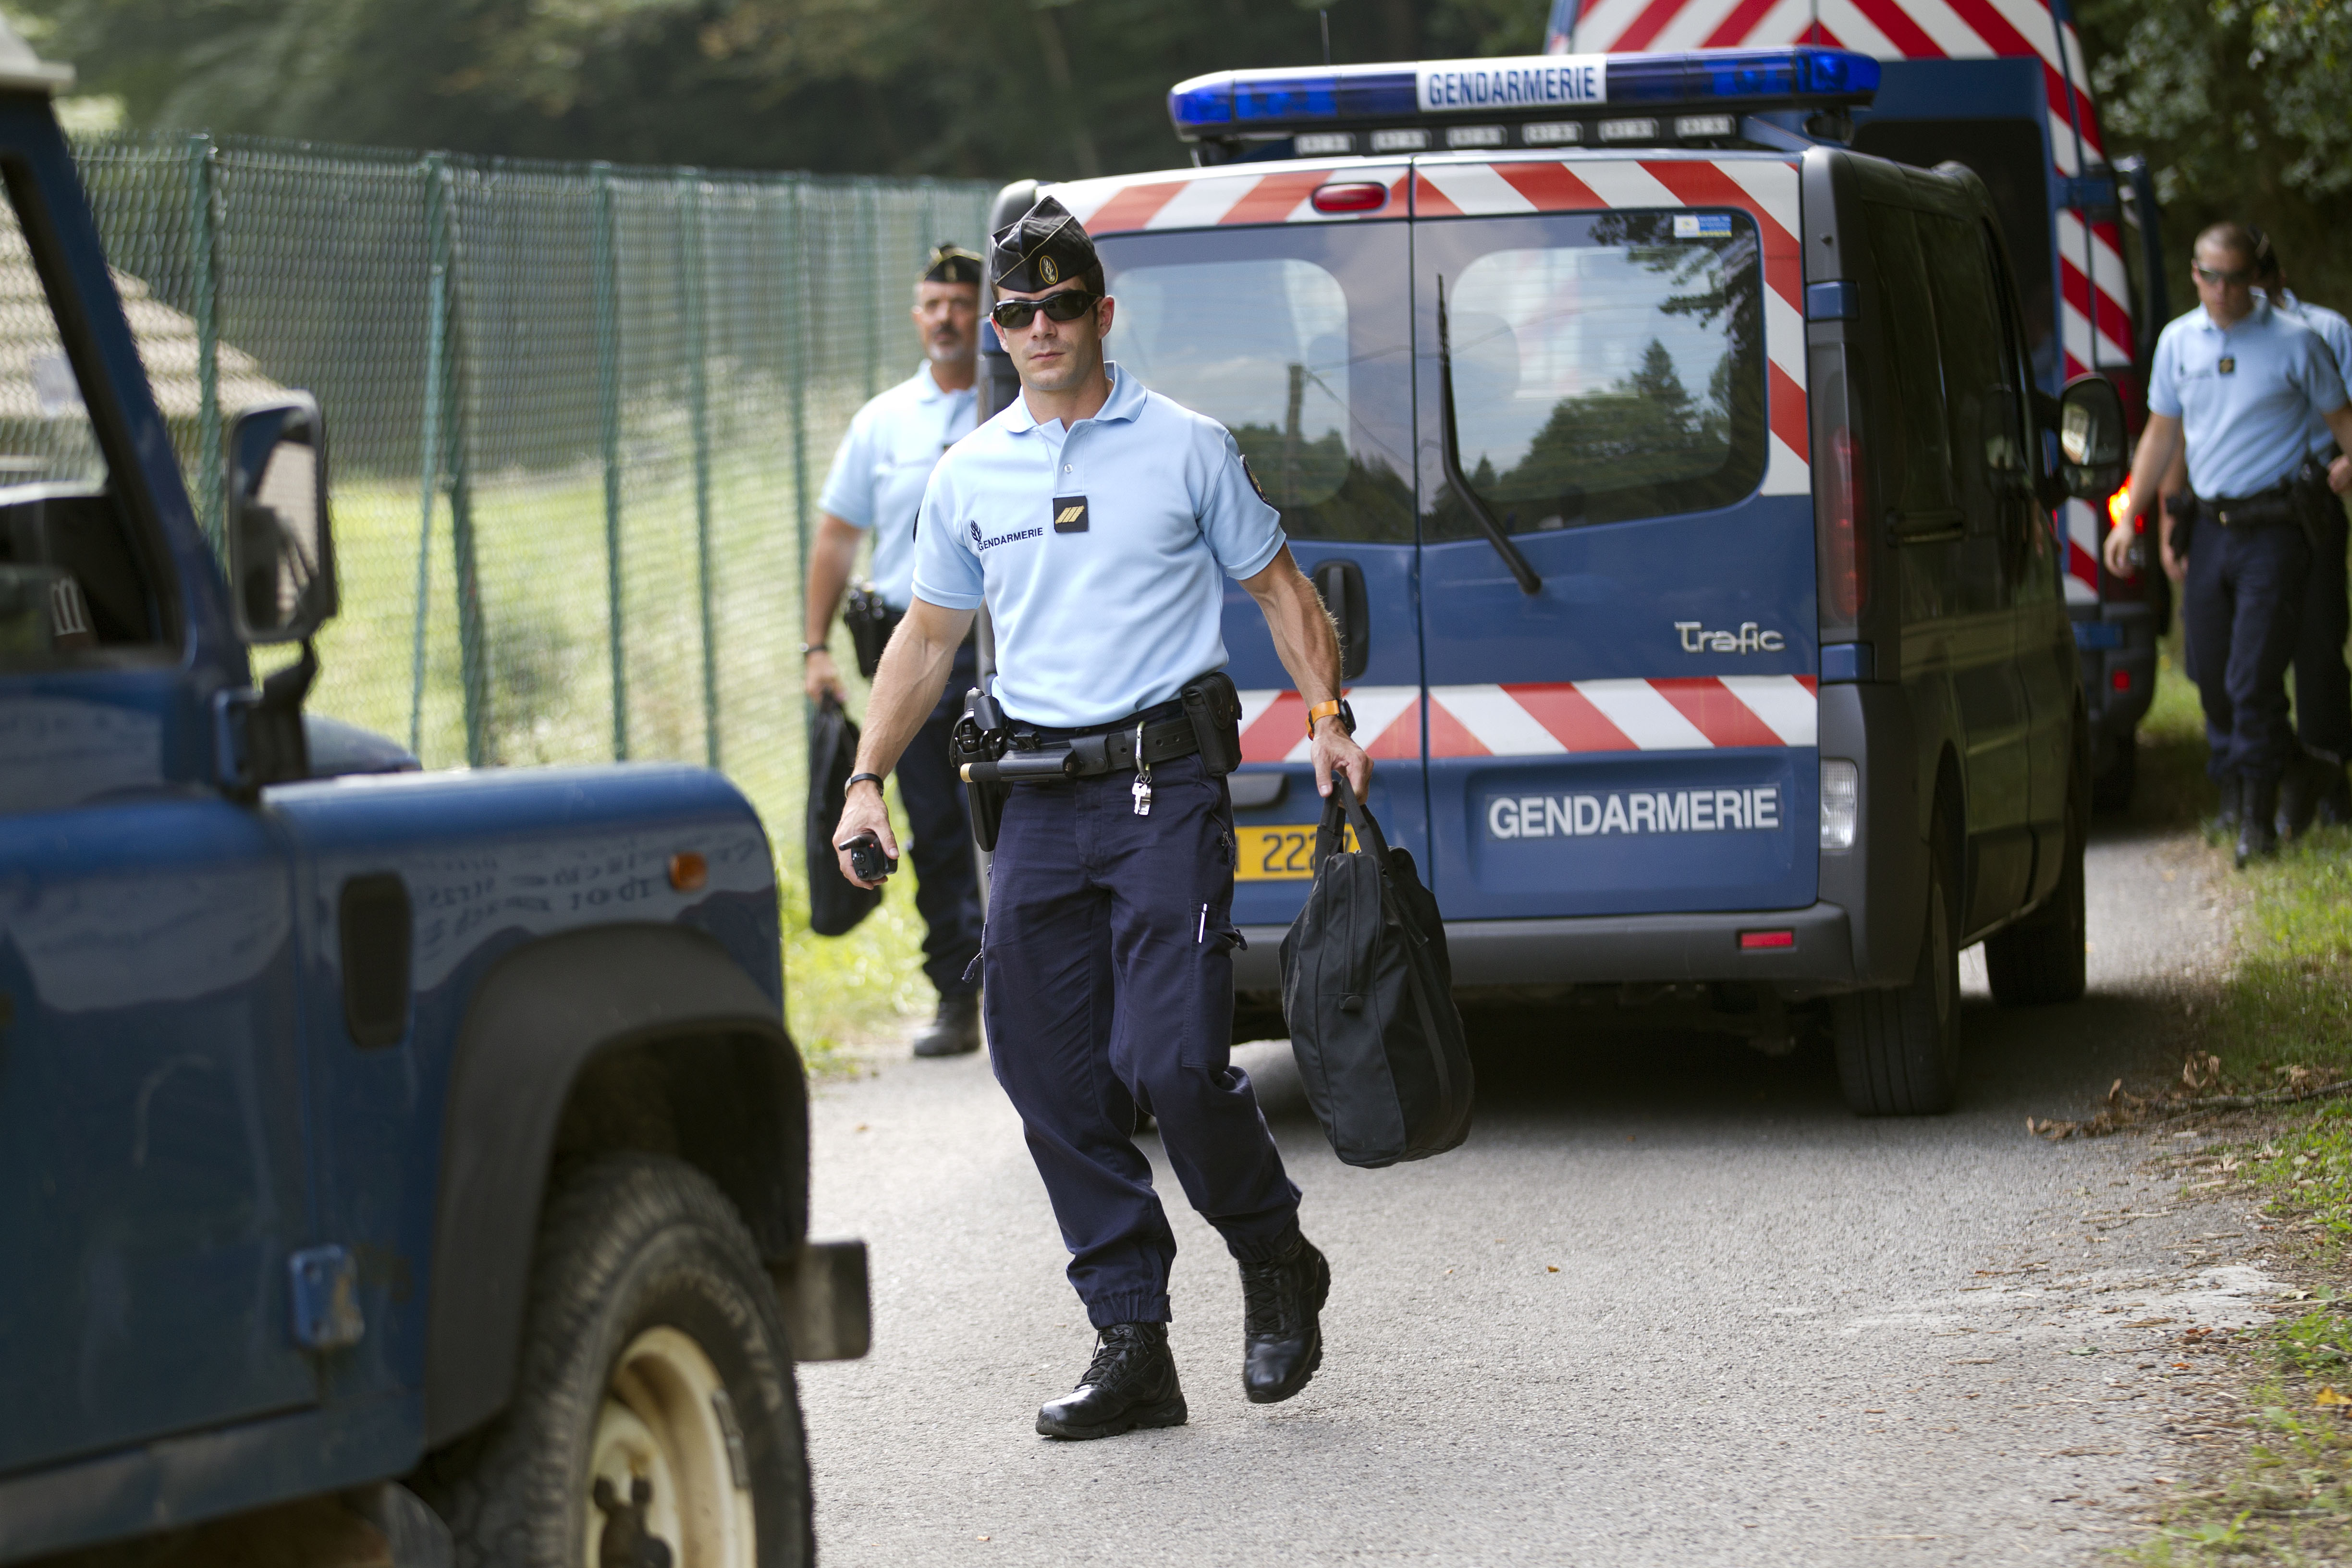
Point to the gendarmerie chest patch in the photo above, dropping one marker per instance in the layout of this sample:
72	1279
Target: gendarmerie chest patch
2228	366
1069	514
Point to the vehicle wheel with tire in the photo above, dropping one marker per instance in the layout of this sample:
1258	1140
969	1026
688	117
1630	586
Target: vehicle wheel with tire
1898	1049
2111	786
2039	959
655	1418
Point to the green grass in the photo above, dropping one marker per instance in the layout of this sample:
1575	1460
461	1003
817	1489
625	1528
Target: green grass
545	615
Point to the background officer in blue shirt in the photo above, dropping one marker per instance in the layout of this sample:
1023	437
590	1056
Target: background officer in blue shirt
2318	789
2239	384
876	486
1098	521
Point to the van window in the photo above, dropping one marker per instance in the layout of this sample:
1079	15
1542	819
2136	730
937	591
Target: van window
1298	343
69	585
1606	367
2010	157
1904	324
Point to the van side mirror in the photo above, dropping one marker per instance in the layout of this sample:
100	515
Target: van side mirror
2091	453
281	555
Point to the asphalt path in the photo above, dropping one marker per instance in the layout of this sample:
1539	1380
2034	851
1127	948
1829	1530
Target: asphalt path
1671	1303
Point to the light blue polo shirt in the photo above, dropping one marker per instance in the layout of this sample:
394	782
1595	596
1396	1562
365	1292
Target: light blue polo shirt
885	461
2337	333
2247	427
1095	623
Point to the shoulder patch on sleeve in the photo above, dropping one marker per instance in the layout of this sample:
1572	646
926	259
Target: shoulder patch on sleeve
1251	474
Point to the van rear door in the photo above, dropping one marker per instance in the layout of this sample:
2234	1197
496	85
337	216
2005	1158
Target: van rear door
1242	299
1628	369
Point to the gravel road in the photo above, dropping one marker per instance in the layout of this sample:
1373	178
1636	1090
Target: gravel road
1670	1304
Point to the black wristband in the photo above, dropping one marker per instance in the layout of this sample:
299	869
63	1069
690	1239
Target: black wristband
853	779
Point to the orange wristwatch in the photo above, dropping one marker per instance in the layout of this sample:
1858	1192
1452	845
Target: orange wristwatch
1325	709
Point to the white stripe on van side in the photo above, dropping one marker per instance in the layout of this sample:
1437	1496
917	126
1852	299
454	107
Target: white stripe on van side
1649	721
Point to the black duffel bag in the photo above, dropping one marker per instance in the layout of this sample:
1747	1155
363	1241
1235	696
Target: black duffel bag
835	903
1368	993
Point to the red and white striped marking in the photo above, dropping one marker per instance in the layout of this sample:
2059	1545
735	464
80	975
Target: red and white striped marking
1549	718
1762	185
1214	198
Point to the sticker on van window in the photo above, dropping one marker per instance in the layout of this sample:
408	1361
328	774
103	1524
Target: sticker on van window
1637	811
1702	225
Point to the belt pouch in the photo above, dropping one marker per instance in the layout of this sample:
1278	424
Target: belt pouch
870	622
976	738
1215	710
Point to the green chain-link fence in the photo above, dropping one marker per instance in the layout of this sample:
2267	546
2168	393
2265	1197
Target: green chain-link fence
577	415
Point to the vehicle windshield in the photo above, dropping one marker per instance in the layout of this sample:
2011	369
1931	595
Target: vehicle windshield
1296	342
1605	366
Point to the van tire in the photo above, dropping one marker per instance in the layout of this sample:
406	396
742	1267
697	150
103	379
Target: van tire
648	1302
2039	961
1898	1047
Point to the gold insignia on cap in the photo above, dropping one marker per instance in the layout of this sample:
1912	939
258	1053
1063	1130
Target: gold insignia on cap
1048	271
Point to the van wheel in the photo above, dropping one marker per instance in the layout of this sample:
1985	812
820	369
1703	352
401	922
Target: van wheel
2039	959
655	1417
1898	1049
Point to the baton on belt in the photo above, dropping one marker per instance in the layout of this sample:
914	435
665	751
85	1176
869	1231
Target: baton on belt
1015	767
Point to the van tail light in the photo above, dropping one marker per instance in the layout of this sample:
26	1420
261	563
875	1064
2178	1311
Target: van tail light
1841	563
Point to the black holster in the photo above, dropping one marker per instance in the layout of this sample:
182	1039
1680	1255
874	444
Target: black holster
2313	502
870	624
1215	710
981	735
2182	505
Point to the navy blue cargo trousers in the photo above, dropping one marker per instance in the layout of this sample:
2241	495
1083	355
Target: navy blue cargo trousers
2242	607
947	875
1108	964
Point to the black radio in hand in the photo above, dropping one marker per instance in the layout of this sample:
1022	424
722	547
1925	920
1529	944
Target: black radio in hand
866	858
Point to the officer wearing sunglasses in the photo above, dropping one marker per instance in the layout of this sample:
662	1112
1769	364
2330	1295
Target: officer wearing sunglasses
2238	383
1098	521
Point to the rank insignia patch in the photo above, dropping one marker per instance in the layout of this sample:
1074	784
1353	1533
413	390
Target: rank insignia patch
1047	271
1069	514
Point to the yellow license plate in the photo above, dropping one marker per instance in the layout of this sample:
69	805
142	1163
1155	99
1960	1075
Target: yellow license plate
1277	854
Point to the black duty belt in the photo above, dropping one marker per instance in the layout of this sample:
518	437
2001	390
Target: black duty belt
1086	755
2272	508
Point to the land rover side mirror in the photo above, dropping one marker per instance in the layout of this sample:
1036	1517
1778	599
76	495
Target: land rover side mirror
281	557
2091	453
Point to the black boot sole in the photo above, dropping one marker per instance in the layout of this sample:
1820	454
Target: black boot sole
1283	1391
1170	1412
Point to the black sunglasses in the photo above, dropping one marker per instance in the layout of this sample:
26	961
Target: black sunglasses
2215	275
1068	306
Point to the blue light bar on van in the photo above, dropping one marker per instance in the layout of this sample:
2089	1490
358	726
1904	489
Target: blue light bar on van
1231	103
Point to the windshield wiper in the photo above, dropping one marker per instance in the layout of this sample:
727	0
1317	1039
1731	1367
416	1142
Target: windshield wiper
1529	583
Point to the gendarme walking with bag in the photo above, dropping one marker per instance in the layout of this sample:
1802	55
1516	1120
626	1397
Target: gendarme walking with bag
1098	520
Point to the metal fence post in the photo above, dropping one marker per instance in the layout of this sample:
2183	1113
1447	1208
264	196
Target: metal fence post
693	287
472	649
797	333
608	394
436	308
204	305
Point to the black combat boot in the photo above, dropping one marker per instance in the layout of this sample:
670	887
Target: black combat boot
2336	800
956	1029
2225	817
1130	1383
2257	824
1282	1334
2308	779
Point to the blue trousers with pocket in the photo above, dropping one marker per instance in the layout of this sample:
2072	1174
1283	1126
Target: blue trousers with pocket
947	873
2242	611
1109	987
2323	688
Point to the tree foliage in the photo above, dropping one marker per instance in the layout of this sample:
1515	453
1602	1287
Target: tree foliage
988	87
2240	107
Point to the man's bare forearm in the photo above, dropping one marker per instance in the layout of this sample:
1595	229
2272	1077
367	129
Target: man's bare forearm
2158	444
907	687
832	553
1304	637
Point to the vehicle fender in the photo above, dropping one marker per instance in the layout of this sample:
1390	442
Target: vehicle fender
1881	882
644	1037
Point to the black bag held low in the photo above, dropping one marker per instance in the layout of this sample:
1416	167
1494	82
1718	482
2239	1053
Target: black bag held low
835	903
1368	993
870	624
